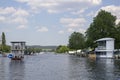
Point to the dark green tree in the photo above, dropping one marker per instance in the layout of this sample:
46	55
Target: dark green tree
76	41
117	36
3	39
102	26
3	47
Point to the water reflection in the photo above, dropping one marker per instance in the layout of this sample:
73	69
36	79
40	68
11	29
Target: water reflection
16	70
89	69
101	69
2	69
77	68
117	69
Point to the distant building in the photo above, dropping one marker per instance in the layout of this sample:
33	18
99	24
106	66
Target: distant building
105	48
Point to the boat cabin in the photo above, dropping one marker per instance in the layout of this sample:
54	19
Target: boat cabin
17	49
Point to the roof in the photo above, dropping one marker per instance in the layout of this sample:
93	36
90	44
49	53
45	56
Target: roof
105	39
18	42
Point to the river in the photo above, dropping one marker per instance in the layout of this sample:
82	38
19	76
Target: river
50	66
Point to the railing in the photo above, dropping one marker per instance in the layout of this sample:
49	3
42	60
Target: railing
18	48
101	48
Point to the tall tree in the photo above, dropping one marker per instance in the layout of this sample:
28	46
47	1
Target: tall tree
3	39
117	36
3	47
76	41
103	26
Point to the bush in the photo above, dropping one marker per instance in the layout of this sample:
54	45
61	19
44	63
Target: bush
62	49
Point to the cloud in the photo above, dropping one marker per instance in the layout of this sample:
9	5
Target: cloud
19	20
72	22
2	18
114	10
78	30
13	15
61	32
81	30
79	11
43	29
70	30
96	2
55	6
92	13
22	27
7	10
21	12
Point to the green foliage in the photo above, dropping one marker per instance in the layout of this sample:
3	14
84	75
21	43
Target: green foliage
5	48
3	39
103	26
62	49
117	36
76	41
33	50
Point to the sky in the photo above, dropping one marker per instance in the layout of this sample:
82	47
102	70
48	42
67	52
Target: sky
50	22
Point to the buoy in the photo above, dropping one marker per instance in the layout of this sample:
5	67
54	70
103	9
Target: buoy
10	56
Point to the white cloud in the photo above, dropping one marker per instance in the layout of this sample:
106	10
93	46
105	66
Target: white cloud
117	21
43	29
97	2
22	27
19	20
54	6
78	12
92	13
70	30
13	15
52	11
61	32
73	22
2	18
7	10
82	30
115	10
21	12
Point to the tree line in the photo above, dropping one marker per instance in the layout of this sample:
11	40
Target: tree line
103	25
31	50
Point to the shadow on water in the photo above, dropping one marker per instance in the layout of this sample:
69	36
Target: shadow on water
2	69
103	69
94	69
16	70
77	68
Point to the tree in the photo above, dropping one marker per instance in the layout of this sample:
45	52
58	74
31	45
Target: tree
3	47
103	26
117	36
76	41
30	50
3	39
62	49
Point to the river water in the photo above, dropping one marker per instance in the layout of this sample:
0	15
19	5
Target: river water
50	66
